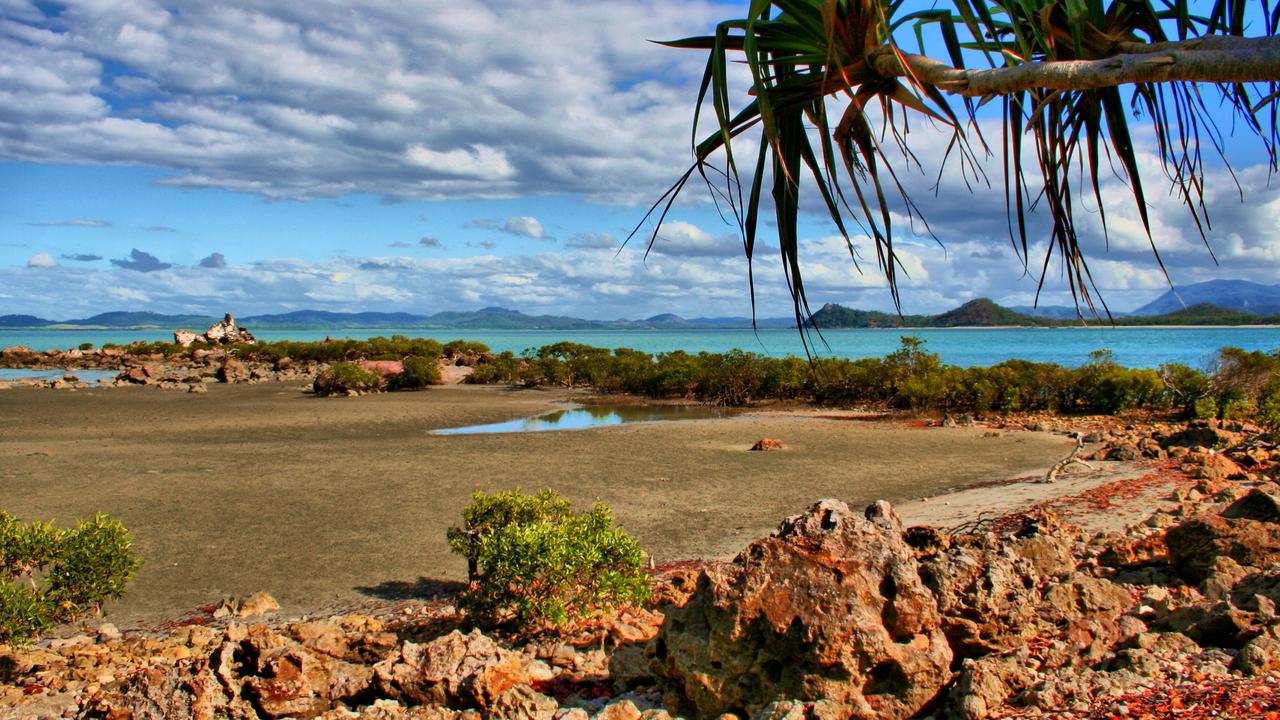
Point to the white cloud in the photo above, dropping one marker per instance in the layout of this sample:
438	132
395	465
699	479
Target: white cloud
323	99
42	260
524	226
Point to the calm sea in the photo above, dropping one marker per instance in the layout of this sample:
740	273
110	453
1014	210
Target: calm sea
1133	347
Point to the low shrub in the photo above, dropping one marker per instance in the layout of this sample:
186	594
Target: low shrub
347	378
535	564
419	372
50	575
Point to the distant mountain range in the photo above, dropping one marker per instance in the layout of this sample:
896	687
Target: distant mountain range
1239	295
490	318
1217	302
985	313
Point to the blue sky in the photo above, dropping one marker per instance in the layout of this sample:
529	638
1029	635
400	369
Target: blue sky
259	156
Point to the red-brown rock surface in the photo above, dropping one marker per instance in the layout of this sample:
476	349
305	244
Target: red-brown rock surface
829	608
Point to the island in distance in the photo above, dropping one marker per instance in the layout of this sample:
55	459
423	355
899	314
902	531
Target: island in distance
1217	302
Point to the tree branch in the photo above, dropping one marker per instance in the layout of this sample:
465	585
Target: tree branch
1213	60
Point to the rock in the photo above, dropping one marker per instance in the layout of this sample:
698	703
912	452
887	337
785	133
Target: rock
1257	504
629	668
1196	542
108	632
1259	656
984	685
259	603
227	331
1199	434
988	587
456	669
522	702
141	375
231	371
187	338
768	445
197	388
385	368
287	684
1217	466
621	710
1126	452
828	607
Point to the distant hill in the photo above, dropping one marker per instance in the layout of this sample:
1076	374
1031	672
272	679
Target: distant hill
983	313
23	321
975	313
121	319
832	315
322	318
1239	295
1202	314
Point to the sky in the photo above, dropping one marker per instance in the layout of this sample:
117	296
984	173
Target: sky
395	155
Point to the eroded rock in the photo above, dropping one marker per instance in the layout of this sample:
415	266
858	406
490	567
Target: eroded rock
829	607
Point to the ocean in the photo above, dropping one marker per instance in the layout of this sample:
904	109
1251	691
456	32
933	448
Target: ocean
1130	346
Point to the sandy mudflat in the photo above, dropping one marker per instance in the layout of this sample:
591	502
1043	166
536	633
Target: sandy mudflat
318	501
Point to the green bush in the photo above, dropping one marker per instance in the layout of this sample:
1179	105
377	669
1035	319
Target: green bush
345	378
503	368
419	372
86	346
49	575
535	564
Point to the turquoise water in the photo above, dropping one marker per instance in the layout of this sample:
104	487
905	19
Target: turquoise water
1133	347
585	418
89	376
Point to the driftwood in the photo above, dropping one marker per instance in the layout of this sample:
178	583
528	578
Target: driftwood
1058	467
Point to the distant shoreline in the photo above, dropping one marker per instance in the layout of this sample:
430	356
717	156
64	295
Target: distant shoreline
640	328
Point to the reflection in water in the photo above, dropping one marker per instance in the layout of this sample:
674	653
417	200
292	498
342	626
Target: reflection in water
591	417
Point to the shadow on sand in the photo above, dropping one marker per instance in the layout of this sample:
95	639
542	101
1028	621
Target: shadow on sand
423	588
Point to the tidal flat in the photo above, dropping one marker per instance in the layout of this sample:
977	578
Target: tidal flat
325	501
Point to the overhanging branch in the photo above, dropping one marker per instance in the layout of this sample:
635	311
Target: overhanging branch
1242	60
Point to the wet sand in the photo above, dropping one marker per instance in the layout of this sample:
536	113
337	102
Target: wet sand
329	500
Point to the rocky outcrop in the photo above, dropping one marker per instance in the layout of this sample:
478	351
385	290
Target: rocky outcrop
768	445
829	608
223	332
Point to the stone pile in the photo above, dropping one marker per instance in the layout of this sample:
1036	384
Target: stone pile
223	332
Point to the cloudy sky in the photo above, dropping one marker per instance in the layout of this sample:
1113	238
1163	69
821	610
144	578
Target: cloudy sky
260	156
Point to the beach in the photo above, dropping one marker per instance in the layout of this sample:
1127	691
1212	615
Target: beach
328	501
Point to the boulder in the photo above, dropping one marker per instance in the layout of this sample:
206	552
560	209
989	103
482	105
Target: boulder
386	368
768	445
231	371
1258	504
1197	542
1199	433
259	603
186	338
830	607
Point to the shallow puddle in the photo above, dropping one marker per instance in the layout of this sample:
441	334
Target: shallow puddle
88	376
591	417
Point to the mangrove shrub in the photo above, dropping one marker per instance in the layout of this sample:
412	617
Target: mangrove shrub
536	564
50	575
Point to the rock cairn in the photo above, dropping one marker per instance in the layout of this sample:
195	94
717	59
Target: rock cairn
223	332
